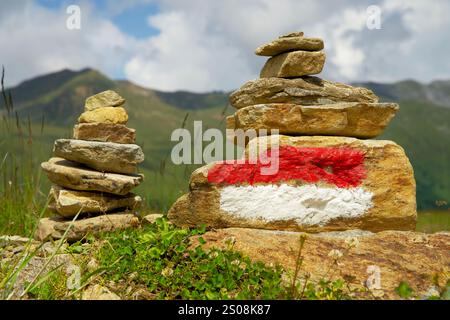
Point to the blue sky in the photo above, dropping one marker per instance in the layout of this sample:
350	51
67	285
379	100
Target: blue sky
132	20
203	45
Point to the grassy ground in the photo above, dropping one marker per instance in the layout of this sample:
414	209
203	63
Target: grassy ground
433	221
162	261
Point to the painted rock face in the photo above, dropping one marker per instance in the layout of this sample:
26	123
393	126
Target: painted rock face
306	184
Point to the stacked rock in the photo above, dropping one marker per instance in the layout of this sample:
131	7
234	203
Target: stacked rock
94	172
327	177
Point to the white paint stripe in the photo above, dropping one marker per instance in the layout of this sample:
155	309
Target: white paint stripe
307	204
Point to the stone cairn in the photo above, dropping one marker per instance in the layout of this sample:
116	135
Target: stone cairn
93	173
330	175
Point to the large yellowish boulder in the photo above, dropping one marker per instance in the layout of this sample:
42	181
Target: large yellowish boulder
294	64
69	203
108	98
310	184
351	119
75	176
304	91
116	115
104	132
102	156
376	261
289	43
55	227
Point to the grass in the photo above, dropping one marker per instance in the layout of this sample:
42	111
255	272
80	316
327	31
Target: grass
160	257
162	261
433	221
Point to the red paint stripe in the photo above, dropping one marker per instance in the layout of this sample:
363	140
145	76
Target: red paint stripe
343	167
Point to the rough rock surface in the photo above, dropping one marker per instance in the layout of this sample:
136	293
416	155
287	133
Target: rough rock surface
399	256
102	156
103	99
304	91
116	115
285	44
351	119
381	198
294	64
68	203
105	132
151	218
55	227
74	176
98	292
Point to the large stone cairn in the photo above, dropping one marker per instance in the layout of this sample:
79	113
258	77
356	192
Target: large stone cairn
331	176
93	173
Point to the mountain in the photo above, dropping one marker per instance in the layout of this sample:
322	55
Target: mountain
437	92
422	126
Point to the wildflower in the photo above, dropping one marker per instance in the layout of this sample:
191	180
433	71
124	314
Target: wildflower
235	262
167	272
352	242
335	254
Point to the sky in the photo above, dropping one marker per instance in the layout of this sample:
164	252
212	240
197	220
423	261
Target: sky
205	45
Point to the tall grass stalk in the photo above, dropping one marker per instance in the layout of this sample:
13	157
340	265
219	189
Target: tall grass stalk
20	179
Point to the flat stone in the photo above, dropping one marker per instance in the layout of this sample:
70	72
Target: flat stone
68	203
292	34
98	292
318	184
395	256
104	132
15	241
151	218
286	44
351	119
294	64
102	156
304	91
75	176
103	99
55	227
116	115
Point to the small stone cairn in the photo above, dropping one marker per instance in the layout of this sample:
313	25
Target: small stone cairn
93	173
331	176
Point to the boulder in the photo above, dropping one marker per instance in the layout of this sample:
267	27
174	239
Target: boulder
55	227
103	99
394	256
351	119
68	203
294	64
75	176
304	91
116	115
104	132
102	156
310	184
286	44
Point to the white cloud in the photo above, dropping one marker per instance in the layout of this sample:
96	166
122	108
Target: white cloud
34	40
206	45
209	45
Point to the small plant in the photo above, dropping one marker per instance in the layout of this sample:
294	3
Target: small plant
53	288
162	257
404	290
